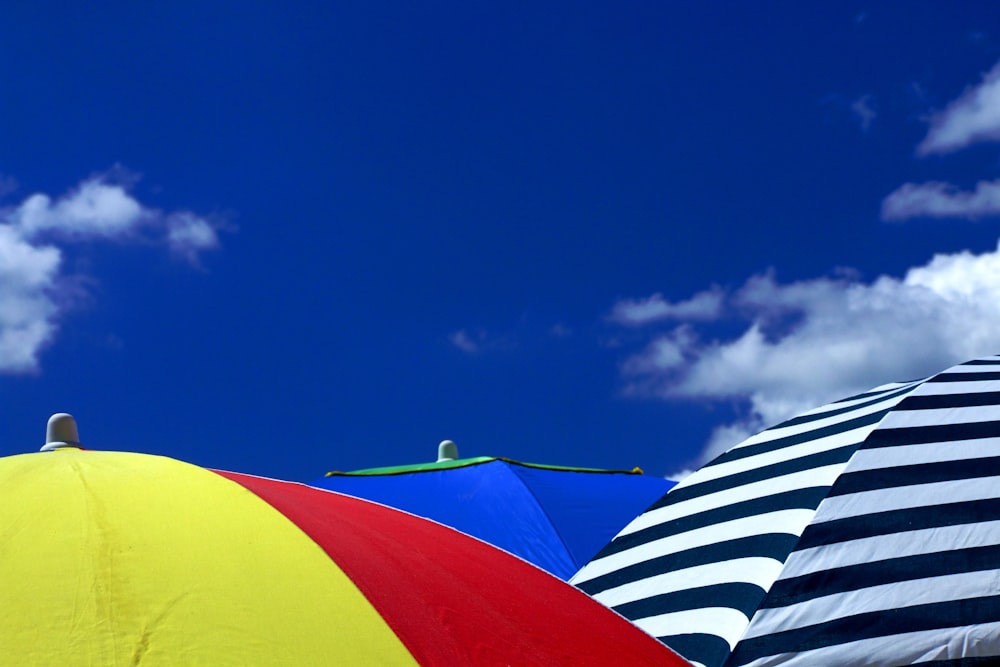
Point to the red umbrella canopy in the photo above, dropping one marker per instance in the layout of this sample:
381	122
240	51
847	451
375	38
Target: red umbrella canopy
118	558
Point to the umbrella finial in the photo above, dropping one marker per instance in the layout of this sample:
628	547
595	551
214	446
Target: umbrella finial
61	432
447	451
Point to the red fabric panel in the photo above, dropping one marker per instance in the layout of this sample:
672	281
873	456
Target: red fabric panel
453	600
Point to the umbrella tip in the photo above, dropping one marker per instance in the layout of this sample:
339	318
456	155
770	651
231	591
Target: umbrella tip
447	451
61	432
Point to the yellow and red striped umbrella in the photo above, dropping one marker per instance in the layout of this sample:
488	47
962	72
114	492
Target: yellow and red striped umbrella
111	558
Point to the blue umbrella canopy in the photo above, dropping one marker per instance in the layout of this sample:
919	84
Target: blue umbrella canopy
865	532
555	517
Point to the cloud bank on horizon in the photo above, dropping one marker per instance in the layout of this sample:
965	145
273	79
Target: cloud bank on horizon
890	329
34	291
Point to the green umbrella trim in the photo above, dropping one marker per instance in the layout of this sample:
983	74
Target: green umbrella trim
464	463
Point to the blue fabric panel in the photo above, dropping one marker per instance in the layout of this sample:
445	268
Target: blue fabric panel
588	509
552	518
486	501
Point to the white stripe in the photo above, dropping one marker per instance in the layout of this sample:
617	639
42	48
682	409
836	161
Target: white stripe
897	595
757	571
896	650
972	368
823	476
862	397
898	545
934	452
941	416
817	424
780	455
970	387
727	624
907	497
791	522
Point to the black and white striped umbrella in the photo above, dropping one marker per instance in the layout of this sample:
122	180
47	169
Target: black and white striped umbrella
865	532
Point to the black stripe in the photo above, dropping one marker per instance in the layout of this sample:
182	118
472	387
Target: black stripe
805	587
898	521
941	401
808	498
817	460
709	650
881	392
966	377
771	545
870	625
742	596
881	396
780	443
982	362
922	435
964	662
918	473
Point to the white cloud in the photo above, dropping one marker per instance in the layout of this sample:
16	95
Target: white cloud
972	118
94	209
27	275
806	343
636	312
34	293
942	200
188	235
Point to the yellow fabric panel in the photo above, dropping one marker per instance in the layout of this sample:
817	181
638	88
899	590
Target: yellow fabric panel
109	558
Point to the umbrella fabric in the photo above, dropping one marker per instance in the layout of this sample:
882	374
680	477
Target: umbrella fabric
114	558
555	517
898	565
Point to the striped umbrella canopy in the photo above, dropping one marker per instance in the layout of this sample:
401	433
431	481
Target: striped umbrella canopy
865	532
112	558
553	516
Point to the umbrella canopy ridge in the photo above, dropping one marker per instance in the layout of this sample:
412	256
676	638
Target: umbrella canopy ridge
115	558
782	527
556	517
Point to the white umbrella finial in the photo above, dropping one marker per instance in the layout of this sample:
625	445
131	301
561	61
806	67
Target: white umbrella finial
447	451
61	432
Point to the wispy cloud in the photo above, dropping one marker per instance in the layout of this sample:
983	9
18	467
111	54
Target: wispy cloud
480	341
465	342
942	200
33	291
863	109
188	235
560	330
806	343
637	312
522	335
973	117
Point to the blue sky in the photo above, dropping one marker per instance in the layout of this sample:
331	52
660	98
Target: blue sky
286	240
